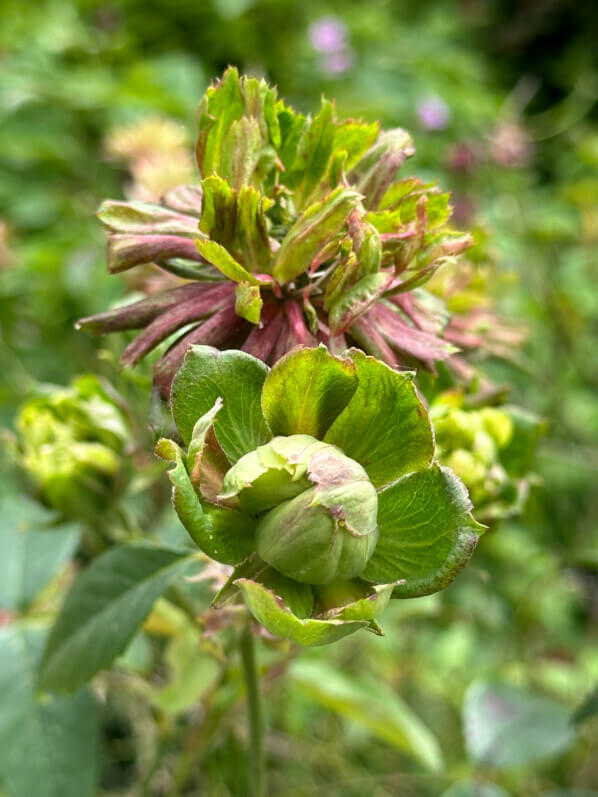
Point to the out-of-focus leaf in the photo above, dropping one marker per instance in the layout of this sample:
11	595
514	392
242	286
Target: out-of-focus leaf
472	788
506	726
31	554
49	744
371	704
588	708
104	609
192	673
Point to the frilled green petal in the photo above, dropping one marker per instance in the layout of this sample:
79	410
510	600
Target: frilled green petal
270	610
352	600
237	378
223	534
427	533
384	426
271	474
306	390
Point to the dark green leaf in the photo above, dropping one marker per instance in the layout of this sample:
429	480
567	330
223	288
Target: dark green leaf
104	609
31	554
506	726
49	744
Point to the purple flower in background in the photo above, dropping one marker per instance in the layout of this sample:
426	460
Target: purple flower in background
328	35
337	63
433	112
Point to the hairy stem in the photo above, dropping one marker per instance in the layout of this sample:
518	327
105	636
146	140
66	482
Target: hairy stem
257	764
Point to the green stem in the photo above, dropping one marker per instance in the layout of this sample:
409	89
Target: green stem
257	769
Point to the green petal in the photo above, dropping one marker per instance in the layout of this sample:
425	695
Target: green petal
385	426
306	390
366	603
237	378
269	610
220	258
223	534
427	533
318	226
248	302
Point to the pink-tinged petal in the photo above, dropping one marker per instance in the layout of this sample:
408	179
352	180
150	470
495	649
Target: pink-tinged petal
173	319
371	341
419	315
283	344
413	342
222	326
297	324
138	314
261	340
184	198
126	251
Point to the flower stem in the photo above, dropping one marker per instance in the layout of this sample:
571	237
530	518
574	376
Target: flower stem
257	763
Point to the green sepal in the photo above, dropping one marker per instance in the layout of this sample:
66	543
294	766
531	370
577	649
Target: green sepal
312	231
352	600
306	390
248	302
220	258
208	374
427	533
313	154
145	217
386	451
271	611
225	535
356	301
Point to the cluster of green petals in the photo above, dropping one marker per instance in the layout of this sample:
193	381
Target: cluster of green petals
490	449
316	481
71	443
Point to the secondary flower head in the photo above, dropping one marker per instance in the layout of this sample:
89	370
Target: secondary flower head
299	231
71	444
323	525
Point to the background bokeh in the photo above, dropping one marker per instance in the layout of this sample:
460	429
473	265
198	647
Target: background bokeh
97	99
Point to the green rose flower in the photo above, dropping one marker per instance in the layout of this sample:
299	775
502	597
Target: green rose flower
316	479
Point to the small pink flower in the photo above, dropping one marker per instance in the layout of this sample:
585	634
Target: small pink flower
433	112
328	35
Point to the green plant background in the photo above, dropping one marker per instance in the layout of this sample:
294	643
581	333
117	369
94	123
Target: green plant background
410	714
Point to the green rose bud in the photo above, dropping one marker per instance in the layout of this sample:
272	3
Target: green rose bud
316	480
321	524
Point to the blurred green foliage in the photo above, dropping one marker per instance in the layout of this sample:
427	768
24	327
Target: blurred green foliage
513	133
